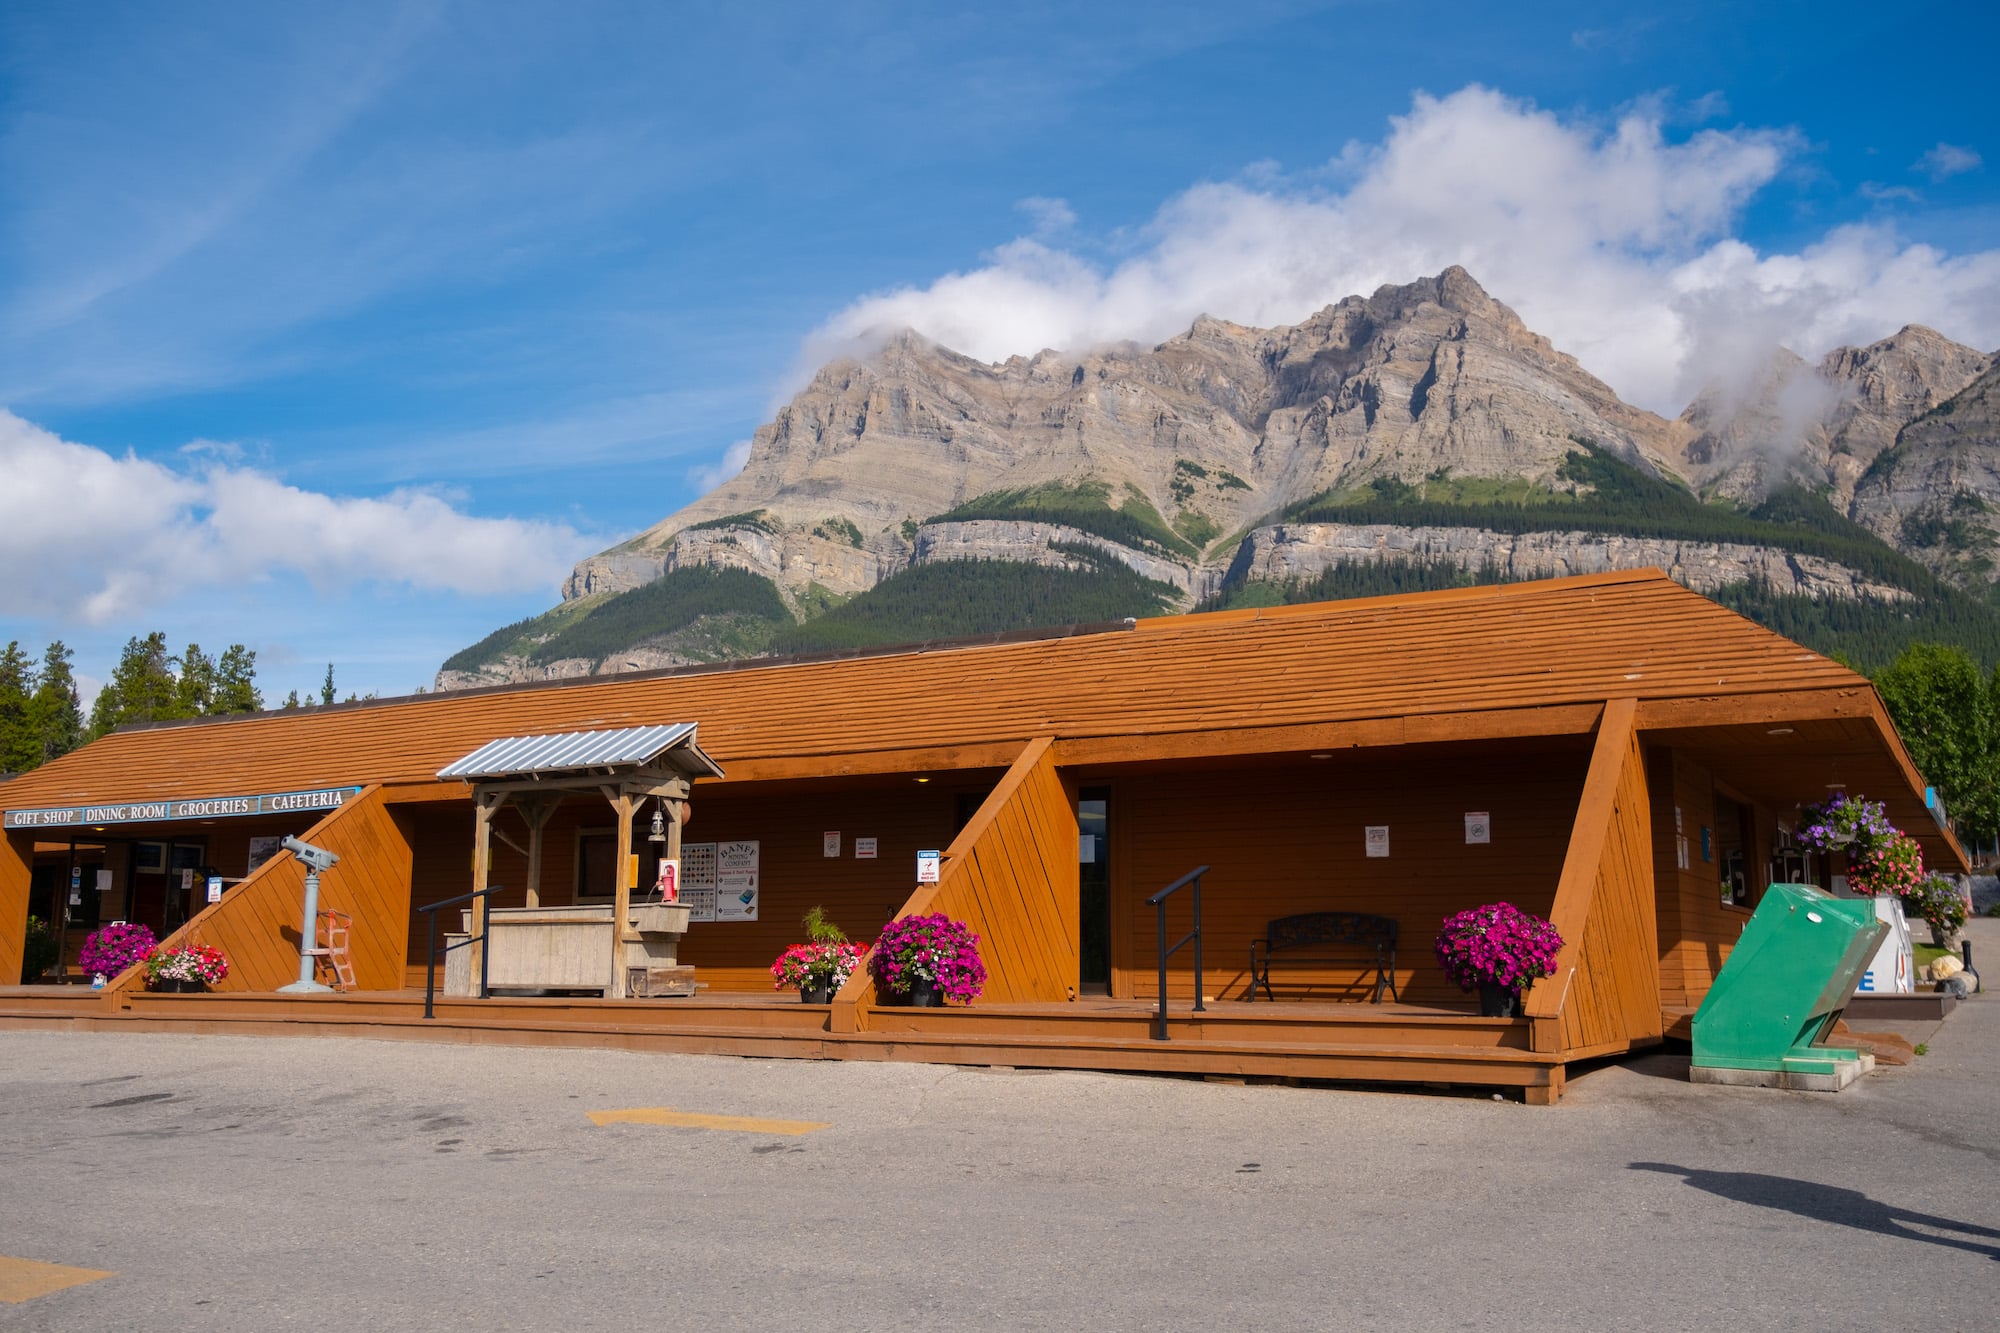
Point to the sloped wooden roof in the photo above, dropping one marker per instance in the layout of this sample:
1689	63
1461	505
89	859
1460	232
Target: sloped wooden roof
1560	641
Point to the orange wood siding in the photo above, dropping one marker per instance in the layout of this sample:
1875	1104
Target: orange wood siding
256	925
1605	993
1011	876
786	820
17	861
1285	839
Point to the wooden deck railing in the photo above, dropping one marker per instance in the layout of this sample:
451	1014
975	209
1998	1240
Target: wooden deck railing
1605	995
256	925
1011	875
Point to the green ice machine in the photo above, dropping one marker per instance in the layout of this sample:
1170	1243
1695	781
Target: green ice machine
1786	982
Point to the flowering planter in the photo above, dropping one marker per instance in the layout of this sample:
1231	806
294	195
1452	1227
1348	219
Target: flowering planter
175	986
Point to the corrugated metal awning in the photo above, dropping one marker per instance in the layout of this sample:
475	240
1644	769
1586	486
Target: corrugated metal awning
583	751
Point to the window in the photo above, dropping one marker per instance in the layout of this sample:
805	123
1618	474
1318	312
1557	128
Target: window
149	858
596	865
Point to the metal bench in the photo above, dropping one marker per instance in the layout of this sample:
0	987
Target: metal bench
1319	939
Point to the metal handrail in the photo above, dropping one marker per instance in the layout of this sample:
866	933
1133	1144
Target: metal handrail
431	950
1159	901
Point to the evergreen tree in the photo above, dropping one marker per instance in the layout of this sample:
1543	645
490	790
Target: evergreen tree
54	712
236	682
1949	716
194	682
292	702
142	688
326	687
18	751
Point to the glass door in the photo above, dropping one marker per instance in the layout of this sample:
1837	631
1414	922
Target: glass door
1093	808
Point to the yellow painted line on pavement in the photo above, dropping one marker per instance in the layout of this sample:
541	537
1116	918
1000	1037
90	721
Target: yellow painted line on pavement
25	1279
739	1124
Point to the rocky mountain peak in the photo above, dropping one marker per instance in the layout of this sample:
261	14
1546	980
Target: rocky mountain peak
1824	424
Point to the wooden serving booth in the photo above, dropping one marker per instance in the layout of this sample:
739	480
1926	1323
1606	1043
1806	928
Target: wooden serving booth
627	947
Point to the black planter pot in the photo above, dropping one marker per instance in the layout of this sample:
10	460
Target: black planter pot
174	987
1499	1002
816	993
925	995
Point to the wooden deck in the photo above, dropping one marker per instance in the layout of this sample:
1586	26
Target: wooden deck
1390	1043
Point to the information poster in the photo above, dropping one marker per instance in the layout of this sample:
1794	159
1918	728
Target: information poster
1377	839
736	881
1478	827
698	880
829	843
261	850
864	849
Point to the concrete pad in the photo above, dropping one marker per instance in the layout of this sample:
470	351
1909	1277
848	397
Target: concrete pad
1844	1072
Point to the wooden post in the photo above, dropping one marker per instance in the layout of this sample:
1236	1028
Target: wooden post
622	803
535	812
486	804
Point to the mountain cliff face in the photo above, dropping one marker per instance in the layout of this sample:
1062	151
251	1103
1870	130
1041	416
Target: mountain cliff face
1827	423
1231	453
1936	492
1433	376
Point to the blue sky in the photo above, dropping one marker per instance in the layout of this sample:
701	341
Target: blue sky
341	331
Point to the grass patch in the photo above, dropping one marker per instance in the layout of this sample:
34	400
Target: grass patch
760	519
1086	507
737	612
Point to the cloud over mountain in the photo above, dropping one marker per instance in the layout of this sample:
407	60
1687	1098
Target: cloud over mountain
1618	241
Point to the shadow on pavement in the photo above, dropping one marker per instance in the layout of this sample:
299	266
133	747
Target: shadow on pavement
1828	1203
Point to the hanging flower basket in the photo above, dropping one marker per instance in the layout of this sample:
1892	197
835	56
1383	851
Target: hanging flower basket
1893	865
1852	824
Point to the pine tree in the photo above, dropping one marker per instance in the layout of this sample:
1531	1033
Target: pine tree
142	688
54	712
236	682
326	689
18	751
194	682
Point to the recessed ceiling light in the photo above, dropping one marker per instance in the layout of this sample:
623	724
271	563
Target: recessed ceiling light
1322	755
923	779
1779	731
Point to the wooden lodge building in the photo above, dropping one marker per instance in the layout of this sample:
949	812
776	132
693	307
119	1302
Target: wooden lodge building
1611	751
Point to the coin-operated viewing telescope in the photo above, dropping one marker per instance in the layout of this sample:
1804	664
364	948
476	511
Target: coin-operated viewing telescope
315	860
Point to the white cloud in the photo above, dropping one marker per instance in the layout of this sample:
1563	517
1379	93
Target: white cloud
706	477
1947	160
1614	241
1050	216
88	537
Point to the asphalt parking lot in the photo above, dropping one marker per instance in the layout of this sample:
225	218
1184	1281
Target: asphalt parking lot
227	1183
